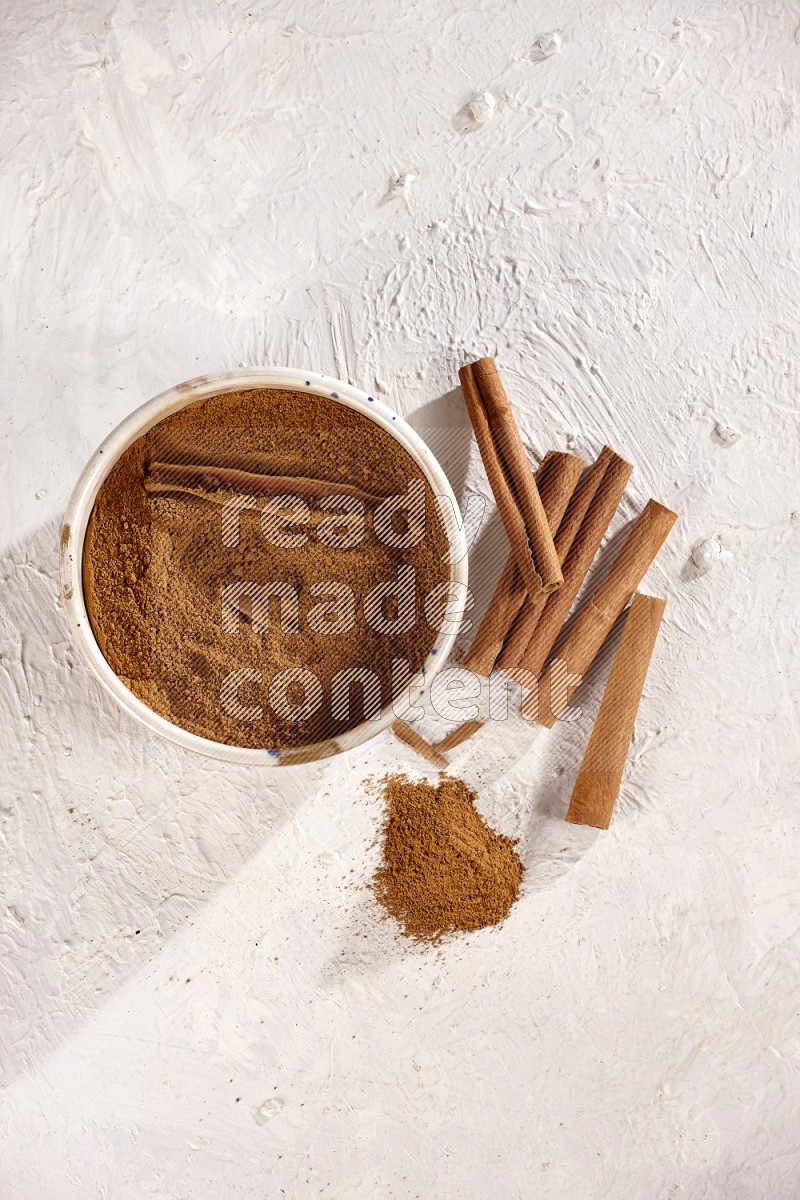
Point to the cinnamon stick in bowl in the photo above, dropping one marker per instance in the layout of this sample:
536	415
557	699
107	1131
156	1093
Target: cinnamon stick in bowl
510	477
591	628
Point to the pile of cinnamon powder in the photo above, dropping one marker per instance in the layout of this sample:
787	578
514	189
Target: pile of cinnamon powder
443	868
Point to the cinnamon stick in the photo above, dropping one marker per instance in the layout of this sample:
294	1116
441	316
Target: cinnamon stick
195	479
417	742
597	785
580	646
556	478
509	476
609	475
458	735
503	607
528	617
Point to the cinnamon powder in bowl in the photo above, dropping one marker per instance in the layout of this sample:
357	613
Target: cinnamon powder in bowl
263	568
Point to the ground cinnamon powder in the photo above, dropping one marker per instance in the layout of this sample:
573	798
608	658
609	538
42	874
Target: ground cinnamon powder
155	564
443	868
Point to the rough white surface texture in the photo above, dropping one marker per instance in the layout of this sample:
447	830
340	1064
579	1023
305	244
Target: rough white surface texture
198	998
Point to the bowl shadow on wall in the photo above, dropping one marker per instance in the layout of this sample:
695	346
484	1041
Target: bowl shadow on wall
443	425
116	838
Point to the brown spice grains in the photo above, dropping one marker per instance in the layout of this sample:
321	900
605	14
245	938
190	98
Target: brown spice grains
443	868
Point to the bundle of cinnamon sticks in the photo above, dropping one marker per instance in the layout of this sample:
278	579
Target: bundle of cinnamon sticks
555	521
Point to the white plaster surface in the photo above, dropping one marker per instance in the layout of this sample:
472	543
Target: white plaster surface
197	997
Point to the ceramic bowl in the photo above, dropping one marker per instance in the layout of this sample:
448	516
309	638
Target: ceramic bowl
138	423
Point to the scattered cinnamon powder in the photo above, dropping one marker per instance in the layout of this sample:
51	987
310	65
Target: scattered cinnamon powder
443	868
156	566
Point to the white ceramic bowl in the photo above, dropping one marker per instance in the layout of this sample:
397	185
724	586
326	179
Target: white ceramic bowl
139	422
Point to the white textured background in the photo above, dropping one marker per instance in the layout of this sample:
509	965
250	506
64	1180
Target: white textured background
192	186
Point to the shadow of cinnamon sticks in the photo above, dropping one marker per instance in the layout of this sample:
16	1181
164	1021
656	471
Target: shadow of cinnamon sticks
443	425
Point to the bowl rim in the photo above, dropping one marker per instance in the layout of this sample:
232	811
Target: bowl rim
144	418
